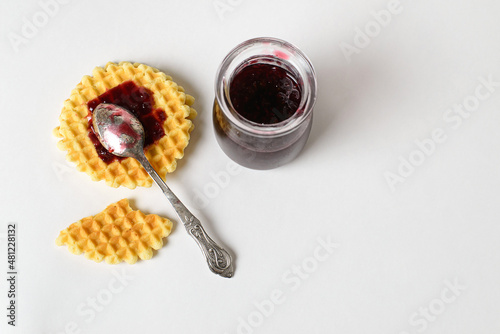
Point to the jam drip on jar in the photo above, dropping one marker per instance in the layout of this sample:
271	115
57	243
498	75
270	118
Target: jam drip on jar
139	100
265	93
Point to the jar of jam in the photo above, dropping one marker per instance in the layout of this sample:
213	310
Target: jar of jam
265	90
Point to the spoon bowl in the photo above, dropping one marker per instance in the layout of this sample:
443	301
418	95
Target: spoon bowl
122	134
118	130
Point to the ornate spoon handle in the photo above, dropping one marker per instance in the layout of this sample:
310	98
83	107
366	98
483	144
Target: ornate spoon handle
218	259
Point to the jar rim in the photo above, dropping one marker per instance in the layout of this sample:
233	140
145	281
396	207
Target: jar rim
283	51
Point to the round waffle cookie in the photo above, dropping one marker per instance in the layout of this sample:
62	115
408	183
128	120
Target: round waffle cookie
75	132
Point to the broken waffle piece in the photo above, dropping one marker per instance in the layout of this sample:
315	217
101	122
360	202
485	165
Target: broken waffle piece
116	234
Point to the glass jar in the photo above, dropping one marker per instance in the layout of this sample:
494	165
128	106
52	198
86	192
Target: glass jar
263	145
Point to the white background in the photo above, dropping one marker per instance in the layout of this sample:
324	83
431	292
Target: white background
397	248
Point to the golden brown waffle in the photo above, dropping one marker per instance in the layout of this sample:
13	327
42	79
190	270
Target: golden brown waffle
116	234
74	126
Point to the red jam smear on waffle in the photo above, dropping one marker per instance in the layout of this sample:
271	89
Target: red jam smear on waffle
138	100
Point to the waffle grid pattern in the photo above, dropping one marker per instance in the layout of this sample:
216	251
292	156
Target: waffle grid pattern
116	234
163	155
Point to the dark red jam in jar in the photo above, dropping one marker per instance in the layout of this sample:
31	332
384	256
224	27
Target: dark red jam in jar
137	99
265	93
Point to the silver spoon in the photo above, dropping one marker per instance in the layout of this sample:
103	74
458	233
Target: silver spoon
122	134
